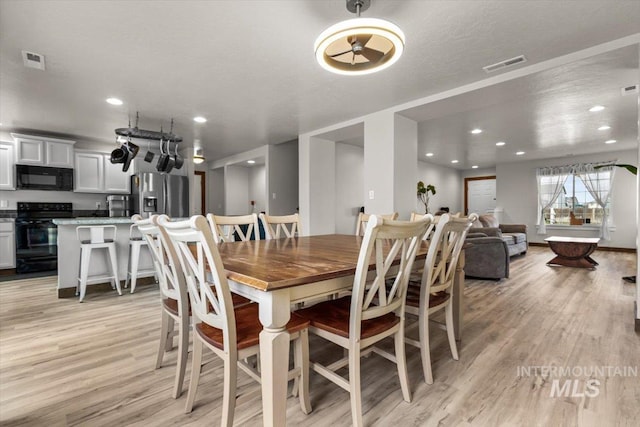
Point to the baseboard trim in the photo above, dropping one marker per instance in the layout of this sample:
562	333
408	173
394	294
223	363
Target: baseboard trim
103	287
599	248
8	272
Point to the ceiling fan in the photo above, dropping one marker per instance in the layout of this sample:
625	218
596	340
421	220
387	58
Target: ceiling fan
360	45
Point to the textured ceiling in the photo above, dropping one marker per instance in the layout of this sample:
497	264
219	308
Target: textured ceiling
248	66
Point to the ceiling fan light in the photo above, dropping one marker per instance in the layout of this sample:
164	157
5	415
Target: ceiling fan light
359	27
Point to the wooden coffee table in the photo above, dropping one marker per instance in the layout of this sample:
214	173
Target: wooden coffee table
573	251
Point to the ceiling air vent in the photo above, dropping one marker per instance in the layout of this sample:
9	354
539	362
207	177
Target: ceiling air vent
33	60
504	64
628	90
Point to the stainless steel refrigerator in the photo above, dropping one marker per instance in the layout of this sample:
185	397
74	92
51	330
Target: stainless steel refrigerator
155	193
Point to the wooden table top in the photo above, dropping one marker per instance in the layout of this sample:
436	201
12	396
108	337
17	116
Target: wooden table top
590	240
279	263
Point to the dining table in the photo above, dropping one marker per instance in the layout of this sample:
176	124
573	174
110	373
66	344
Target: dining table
277	273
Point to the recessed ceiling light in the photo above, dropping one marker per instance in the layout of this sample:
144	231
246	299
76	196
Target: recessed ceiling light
500	144
114	101
251	161
474	167
454	161
476	131
605	127
519	153
199	119
429	154
596	108
611	141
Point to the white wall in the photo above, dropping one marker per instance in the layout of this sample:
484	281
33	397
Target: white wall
404	165
236	190
317	185
516	192
448	183
282	171
258	187
378	162
215	191
349	186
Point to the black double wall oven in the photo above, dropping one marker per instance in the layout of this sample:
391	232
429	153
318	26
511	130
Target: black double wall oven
37	235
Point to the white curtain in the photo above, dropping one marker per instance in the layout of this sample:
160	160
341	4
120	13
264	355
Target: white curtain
550	185
598	183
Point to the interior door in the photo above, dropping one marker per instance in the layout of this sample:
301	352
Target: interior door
480	194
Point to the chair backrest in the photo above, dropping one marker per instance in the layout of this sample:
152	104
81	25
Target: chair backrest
168	269
442	258
363	219
432	223
276	227
134	233
384	240
225	227
198	254
96	233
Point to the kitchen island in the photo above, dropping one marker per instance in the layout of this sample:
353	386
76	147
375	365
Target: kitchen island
69	253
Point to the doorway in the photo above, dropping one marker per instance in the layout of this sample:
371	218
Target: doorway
199	203
479	194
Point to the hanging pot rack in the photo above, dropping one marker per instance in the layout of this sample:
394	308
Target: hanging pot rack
135	132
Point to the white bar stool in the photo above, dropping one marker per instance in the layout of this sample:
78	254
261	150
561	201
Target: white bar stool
93	237
136	242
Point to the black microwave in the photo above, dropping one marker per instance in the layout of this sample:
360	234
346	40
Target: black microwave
44	178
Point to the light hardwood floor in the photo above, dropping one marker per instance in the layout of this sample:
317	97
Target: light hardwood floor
65	363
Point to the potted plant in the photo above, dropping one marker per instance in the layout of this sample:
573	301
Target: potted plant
423	194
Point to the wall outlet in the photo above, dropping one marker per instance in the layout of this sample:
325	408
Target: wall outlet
371	195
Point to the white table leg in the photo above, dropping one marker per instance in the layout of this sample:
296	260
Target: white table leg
274	356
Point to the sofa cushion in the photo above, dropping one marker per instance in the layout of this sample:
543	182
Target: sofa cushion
508	239
489	221
517	237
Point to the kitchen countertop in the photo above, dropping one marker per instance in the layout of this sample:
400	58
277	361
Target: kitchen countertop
92	221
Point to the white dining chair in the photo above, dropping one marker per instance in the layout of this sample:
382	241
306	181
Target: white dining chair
374	310
363	218
280	226
173	293
226	228
434	292
231	333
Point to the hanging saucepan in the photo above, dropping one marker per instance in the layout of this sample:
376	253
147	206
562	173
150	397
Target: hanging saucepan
179	158
163	160
172	160
150	154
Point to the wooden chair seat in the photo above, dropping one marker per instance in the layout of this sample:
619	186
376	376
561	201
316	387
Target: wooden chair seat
248	328
435	300
333	316
172	304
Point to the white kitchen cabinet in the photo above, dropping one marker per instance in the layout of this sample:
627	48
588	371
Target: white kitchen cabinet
94	173
7	244
7	162
89	172
43	151
115	180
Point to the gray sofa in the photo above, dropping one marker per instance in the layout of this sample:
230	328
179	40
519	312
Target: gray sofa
491	246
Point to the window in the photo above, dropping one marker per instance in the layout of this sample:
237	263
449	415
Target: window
577	200
575	195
